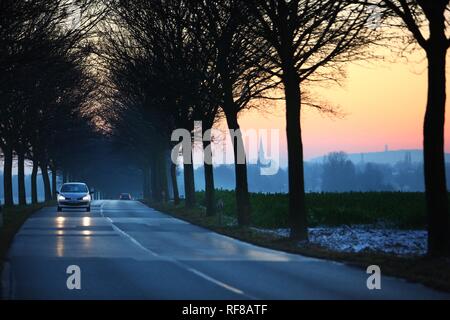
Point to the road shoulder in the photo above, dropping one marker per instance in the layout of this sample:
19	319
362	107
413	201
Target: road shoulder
434	273
13	219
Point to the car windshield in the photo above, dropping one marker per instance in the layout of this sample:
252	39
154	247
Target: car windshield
75	188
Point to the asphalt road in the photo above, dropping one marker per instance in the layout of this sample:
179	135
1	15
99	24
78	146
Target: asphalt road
126	250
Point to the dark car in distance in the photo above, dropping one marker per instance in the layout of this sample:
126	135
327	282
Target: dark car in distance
125	196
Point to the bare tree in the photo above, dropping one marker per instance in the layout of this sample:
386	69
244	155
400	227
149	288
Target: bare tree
170	69
136	87
308	39
427	22
225	29
32	34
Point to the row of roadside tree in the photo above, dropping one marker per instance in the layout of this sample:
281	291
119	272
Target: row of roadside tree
168	63
44	86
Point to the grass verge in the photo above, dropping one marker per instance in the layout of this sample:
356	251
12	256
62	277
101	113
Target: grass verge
434	273
405	210
13	218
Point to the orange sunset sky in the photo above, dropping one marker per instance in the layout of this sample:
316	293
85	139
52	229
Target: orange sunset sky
383	104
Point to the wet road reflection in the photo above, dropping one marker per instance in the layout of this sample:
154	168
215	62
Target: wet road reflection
127	250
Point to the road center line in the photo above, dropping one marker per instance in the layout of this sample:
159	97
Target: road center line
174	261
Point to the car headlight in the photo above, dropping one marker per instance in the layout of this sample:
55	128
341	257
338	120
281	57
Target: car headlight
87	197
60	197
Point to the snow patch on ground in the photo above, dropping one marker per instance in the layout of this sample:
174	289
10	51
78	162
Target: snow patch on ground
359	238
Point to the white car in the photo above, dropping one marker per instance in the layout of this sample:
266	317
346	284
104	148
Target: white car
74	195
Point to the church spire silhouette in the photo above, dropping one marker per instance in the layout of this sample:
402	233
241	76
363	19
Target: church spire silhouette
261	154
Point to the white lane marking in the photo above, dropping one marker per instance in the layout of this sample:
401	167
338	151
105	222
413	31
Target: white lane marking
219	283
174	261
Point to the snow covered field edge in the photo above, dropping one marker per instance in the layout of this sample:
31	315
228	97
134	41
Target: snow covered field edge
360	238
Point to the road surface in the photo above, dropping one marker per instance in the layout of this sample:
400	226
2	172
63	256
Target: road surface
126	250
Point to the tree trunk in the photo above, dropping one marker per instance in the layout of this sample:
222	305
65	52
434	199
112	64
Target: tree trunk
46	180
65	176
240	167
163	176
34	196
158	178
189	184
54	176
209	181
21	177
231	111
146	183
173	176
154	180
433	145
297	208
7	177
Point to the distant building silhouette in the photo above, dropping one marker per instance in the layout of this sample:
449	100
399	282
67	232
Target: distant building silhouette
408	159
262	160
